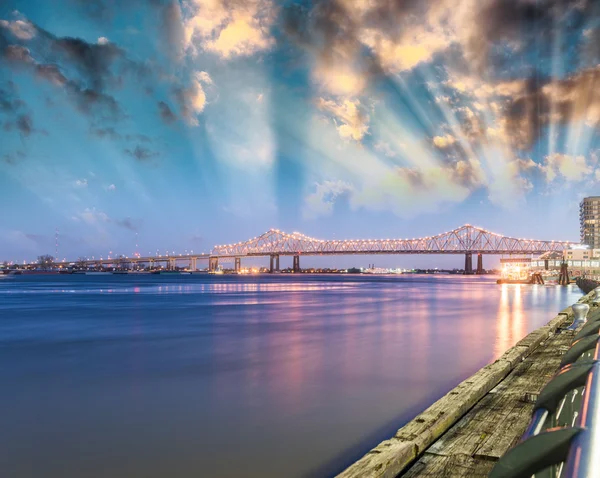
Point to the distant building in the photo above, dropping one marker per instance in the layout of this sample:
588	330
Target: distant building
589	221
581	254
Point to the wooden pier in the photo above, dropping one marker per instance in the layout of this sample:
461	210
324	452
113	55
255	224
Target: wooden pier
465	432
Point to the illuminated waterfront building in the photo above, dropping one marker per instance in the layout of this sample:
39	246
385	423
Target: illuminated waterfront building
589	221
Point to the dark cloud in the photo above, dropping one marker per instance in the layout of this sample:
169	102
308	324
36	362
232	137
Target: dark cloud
94	103
37	238
330	32
523	23
24	124
141	153
181	95
83	69
94	61
17	54
13	158
51	73
18	118
108	132
561	101
167	14
166	113
9	100
413	176
338	34
126	223
591	46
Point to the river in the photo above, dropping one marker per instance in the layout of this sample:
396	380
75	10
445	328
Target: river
237	376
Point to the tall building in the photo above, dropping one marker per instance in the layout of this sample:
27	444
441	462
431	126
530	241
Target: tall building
589	221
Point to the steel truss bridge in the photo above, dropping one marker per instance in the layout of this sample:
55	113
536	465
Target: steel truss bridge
467	240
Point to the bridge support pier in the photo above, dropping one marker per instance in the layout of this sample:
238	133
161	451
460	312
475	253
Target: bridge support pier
193	263
468	263
479	264
296	264
213	263
172	264
546	266
274	263
238	264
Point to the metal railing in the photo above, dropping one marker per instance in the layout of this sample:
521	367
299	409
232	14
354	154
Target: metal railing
563	437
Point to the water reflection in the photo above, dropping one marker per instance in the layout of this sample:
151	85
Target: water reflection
238	376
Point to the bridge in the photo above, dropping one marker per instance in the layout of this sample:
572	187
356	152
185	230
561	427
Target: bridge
467	240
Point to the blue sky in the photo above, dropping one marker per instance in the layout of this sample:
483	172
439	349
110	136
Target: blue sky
185	124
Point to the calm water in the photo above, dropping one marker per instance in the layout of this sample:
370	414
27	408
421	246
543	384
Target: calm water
227	376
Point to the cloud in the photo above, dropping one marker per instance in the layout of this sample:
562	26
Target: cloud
322	200
108	132
230	28
126	223
17	54
571	168
9	99
81	183
444	142
141	153
192	99
111	187
386	149
20	29
93	60
51	73
91	217
356	41
24	124
410	191
91	102
13	158
351	121
575	98
166	113
84	70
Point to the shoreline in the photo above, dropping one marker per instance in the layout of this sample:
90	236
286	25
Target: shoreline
396	455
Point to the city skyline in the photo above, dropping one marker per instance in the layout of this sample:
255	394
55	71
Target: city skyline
182	125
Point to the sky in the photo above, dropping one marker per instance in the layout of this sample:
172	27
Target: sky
155	125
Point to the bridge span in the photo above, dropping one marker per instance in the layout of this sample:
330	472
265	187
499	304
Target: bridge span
467	240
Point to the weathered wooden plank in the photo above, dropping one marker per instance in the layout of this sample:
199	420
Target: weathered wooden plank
477	437
455	466
478	433
392	456
480	427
